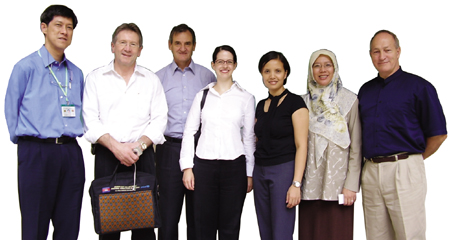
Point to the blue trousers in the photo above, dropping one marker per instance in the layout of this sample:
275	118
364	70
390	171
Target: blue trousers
51	182
270	186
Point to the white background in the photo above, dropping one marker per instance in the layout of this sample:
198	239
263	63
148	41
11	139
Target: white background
252	28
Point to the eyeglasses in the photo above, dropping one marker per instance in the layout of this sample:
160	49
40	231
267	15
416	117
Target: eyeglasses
222	62
131	44
319	66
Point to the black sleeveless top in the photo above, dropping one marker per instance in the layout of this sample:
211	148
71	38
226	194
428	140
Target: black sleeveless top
282	144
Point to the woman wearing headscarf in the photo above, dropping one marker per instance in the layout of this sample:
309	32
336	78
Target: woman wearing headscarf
334	153
280	157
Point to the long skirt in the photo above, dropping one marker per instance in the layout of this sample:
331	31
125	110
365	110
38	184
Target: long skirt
325	220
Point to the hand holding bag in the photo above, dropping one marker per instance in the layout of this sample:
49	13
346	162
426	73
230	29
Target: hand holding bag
124	201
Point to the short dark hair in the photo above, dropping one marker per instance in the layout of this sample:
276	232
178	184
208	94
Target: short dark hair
180	29
224	48
397	42
271	56
58	10
128	26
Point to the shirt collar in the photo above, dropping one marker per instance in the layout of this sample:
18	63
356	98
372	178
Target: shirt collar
110	68
47	58
174	67
392	77
235	85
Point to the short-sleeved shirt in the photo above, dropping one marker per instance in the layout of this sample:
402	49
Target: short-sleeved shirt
398	114
282	141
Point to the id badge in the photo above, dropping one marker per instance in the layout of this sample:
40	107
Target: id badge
68	110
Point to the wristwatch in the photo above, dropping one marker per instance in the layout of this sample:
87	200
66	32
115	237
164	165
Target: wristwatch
296	184
143	145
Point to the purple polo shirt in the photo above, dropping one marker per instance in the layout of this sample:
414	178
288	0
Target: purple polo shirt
398	114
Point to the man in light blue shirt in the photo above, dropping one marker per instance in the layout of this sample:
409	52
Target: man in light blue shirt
43	113
181	80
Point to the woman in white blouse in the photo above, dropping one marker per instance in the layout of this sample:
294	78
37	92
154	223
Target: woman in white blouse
220	170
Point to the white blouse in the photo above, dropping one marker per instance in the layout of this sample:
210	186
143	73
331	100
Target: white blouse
227	127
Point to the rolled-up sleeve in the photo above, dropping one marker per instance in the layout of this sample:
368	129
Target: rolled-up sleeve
93	127
158	115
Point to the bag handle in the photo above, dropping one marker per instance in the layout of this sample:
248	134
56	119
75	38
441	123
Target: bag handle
134	182
134	177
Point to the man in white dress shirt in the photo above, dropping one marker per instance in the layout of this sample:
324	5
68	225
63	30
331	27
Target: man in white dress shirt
125	112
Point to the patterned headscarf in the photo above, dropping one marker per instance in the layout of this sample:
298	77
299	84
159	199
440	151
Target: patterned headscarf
328	106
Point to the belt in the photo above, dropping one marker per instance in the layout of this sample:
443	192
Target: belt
60	140
392	158
171	139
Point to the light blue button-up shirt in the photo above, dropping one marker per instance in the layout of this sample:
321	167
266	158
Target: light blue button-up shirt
33	99
180	88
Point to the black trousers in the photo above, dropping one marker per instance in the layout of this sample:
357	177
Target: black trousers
219	195
172	192
51	182
105	163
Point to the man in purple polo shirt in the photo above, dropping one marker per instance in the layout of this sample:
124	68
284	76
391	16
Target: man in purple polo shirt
181	80
402	124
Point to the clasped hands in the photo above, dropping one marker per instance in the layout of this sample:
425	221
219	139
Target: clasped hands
125	153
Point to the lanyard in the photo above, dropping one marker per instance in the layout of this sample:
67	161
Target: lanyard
59	83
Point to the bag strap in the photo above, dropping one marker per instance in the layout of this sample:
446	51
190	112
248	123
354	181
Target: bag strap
202	103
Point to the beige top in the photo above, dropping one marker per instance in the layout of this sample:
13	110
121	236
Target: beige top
338	167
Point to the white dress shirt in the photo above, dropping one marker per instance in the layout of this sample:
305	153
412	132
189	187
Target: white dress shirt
227	127
126	112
